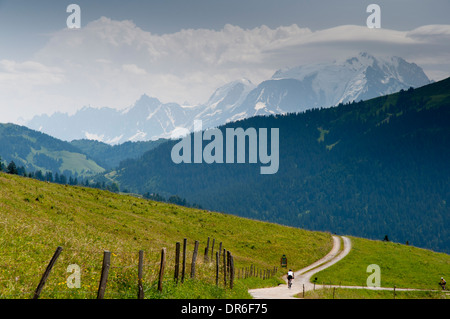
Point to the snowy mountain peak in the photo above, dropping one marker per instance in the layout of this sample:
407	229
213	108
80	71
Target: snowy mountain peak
230	92
293	89
361	77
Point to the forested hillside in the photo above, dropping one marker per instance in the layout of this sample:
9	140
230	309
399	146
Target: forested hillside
370	169
35	151
110	156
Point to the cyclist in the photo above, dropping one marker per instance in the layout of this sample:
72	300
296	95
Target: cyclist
442	283
290	276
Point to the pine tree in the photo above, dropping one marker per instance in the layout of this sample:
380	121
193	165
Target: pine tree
12	168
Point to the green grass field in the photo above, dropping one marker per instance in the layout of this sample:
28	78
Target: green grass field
37	217
343	293
400	265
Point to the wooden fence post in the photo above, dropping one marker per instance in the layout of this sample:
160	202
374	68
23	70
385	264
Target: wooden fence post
183	268
104	275
231	271
228	262
177	262
47	272
212	249
206	252
217	268
140	268
194	258
161	269
224	268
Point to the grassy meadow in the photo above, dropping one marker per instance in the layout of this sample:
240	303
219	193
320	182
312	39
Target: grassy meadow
37	217
400	265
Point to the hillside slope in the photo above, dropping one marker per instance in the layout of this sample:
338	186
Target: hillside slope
37	151
36	217
368	169
400	265
109	156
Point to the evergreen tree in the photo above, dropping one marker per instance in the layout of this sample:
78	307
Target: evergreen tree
49	177
12	169
21	171
62	179
38	175
114	188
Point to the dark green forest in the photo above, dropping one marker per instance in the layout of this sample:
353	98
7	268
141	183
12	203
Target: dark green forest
370	168
110	156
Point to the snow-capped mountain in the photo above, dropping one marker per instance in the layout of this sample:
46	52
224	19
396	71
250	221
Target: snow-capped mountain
328	84
289	90
221	106
147	119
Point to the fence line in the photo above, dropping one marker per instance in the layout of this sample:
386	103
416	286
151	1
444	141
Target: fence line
167	261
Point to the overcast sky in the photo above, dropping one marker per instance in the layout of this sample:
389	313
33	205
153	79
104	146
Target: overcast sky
182	50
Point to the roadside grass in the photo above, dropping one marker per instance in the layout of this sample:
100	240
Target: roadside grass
400	265
36	217
344	293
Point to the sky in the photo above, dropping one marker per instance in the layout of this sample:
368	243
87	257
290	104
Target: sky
181	51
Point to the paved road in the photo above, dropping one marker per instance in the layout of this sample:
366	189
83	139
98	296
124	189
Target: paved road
303	276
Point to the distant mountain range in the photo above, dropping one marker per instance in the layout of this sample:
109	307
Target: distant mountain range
289	90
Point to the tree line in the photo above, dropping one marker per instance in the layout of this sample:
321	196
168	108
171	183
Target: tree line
65	178
69	179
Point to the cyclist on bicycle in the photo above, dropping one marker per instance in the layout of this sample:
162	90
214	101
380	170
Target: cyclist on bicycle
290	276
442	283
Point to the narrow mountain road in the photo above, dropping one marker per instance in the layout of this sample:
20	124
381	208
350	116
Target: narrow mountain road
303	276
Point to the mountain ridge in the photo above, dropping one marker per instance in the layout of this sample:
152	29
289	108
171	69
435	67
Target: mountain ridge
289	90
36	151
